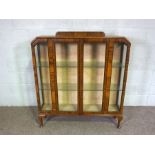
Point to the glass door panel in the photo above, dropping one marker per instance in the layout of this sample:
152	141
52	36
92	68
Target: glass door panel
41	52
67	77
118	66
94	62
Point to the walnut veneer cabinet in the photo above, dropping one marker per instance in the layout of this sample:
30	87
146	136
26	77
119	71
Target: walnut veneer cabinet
80	73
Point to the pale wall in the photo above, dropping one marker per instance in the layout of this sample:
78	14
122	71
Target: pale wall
16	74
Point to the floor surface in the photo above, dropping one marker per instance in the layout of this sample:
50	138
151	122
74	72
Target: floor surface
22	120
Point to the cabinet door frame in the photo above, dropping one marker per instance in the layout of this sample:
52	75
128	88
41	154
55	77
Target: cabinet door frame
66	40
110	50
97	41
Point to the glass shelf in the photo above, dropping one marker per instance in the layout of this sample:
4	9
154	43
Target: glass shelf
93	107
74	64
43	64
73	107
67	107
66	64
100	65
98	107
62	107
99	87
73	87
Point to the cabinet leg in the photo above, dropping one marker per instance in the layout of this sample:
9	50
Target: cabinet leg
41	121
119	121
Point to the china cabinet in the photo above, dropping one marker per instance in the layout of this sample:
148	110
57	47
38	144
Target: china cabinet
80	73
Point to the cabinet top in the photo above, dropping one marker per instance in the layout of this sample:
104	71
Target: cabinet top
79	34
96	36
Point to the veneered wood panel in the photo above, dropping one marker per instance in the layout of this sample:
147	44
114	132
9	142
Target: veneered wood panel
80	76
79	34
53	81
109	52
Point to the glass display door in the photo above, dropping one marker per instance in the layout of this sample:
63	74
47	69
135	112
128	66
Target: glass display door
93	76
43	75
117	76
67	76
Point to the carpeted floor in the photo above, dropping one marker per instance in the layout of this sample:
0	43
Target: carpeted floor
22	120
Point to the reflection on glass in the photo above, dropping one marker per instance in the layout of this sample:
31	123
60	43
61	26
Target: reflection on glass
94	61
119	56
66	62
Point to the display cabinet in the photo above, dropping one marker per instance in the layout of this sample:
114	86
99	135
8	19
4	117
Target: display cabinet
80	73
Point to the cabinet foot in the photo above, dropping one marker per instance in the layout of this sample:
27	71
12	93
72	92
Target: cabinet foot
41	121
119	121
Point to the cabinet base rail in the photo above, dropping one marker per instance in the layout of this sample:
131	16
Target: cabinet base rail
117	117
